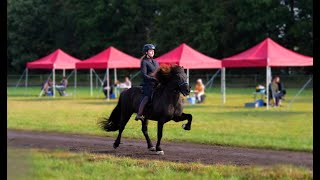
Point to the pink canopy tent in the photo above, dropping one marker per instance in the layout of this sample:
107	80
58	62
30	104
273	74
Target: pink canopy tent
56	60
266	54
189	58
109	58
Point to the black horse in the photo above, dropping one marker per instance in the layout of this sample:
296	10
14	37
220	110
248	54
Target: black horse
166	105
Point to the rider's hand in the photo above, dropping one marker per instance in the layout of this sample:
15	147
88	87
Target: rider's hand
154	79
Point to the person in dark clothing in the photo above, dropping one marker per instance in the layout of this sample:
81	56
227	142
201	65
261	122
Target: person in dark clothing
148	67
281	86
47	87
274	91
106	88
63	86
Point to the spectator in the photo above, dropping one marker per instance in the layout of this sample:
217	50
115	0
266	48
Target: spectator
62	86
106	88
126	84
281	87
199	91
47	87
260	89
275	95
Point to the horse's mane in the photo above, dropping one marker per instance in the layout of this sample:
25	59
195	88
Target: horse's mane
165	72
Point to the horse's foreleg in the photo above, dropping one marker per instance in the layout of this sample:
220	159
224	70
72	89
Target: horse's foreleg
182	118
144	130
160	129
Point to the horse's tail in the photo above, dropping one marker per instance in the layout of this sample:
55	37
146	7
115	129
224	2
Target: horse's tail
113	122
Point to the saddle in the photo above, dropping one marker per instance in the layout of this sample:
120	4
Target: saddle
152	93
149	104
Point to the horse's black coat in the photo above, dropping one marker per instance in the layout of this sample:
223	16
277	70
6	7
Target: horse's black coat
166	105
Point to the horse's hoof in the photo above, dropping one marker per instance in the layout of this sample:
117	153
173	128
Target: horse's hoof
185	127
160	153
115	146
152	149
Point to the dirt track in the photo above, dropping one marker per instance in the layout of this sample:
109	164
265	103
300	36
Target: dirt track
176	152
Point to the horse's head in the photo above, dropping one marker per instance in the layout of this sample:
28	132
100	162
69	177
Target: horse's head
174	76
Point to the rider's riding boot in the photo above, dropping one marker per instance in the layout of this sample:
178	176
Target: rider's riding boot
141	108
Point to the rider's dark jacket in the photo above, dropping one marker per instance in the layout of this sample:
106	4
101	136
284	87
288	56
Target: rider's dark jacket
148	66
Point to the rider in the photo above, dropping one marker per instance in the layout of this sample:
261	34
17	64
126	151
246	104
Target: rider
148	67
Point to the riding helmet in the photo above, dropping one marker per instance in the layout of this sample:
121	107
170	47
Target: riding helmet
147	47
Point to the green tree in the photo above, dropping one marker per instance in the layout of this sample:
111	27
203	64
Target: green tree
218	28
26	33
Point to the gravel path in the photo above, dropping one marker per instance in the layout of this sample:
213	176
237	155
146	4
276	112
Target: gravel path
175	152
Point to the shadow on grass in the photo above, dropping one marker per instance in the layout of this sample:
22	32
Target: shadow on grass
89	101
20	95
267	113
282	108
104	151
104	102
42	99
200	106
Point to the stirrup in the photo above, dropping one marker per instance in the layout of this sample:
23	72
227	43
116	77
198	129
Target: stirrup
138	117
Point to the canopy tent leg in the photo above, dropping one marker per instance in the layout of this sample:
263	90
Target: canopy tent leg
108	83
188	76
268	81
54	82
75	82
64	72
115	80
91	82
223	85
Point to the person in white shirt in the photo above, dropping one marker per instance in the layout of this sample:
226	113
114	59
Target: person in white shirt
126	84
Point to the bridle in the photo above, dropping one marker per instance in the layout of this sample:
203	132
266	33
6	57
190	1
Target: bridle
182	84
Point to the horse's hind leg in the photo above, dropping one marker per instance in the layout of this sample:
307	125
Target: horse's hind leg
182	118
124	121
144	130
160	129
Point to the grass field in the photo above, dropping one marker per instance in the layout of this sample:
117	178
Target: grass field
286	127
43	164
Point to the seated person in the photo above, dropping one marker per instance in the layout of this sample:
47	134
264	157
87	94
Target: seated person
126	84
47	87
260	89
106	88
62	86
281	88
275	95
199	91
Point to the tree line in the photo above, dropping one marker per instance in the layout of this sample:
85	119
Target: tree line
217	28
